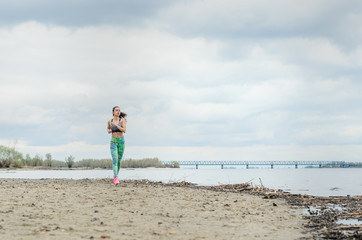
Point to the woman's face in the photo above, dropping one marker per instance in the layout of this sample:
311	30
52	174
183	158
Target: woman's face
116	112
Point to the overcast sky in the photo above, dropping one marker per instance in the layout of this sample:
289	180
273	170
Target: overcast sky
199	80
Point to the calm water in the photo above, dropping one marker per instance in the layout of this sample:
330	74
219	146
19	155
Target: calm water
317	182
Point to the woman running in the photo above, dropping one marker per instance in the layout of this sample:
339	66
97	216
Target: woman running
117	126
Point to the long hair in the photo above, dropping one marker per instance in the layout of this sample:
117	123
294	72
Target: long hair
122	114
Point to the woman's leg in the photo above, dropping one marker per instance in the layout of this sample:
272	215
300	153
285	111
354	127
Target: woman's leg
114	153
120	149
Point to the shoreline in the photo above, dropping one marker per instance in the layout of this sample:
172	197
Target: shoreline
334	217
225	209
298	184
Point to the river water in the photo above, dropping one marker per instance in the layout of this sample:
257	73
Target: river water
310	181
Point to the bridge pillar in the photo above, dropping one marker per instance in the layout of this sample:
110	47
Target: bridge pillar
197	166
296	165
272	166
222	166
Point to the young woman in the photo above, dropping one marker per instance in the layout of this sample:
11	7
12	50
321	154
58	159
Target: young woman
117	126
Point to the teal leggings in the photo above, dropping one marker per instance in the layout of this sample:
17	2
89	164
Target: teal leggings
117	149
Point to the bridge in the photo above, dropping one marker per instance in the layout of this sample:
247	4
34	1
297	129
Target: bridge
320	164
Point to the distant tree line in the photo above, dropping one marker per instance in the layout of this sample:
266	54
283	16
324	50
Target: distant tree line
93	163
11	158
355	164
147	162
126	163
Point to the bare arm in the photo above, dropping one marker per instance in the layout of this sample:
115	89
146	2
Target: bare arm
109	130
124	125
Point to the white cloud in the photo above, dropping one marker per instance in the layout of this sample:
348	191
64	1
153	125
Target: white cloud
236	75
260	18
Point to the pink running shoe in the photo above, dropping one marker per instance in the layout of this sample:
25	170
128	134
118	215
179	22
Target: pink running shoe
116	181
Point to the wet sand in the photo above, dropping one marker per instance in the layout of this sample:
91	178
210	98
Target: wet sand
96	209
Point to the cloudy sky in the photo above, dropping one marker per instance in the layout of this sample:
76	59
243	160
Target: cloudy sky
199	80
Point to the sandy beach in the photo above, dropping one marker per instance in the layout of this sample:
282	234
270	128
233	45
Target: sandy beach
96	209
